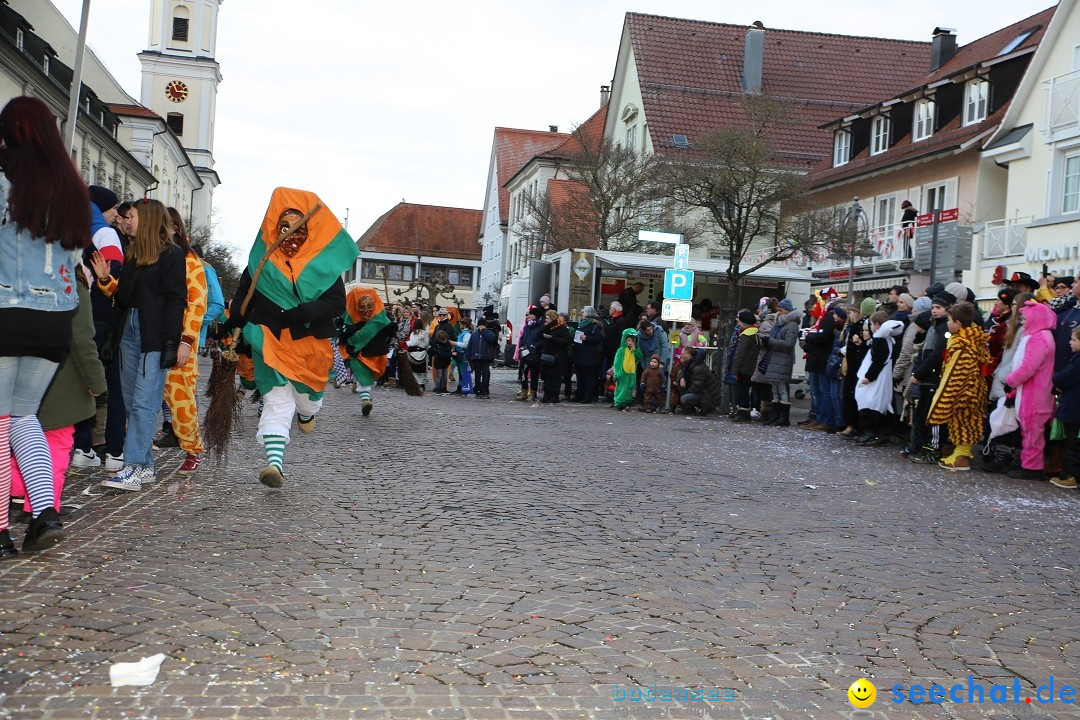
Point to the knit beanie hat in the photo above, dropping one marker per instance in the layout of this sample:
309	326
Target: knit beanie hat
957	290
921	305
747	318
922	319
934	289
103	197
868	306
943	299
907	300
1007	294
786	304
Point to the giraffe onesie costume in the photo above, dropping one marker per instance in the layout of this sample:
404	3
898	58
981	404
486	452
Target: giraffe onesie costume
180	382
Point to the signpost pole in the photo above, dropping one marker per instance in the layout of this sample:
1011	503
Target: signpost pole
933	241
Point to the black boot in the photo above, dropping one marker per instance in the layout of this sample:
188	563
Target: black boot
7	547
43	532
774	414
742	415
785	415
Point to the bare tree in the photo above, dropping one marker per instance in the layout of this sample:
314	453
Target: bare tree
752	201
602	195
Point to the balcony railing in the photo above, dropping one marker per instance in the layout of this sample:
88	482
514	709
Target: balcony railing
1005	238
892	242
1063	106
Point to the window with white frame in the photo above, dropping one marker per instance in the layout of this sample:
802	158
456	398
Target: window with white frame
879	135
976	96
377	270
885	211
1070	196
631	137
20	38
644	137
45	64
924	120
841	147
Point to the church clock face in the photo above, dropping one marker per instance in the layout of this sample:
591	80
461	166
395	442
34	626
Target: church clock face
176	91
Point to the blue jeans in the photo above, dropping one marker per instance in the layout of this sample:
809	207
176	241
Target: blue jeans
143	381
821	398
23	382
836	395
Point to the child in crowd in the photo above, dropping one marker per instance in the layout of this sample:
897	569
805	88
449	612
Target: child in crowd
960	400
624	370
744	363
873	393
1067	381
1030	386
442	353
652	385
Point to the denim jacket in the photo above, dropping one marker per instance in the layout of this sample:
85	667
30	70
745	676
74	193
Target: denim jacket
34	274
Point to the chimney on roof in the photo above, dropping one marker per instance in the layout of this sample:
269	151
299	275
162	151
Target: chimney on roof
553	128
942	48
605	95
753	58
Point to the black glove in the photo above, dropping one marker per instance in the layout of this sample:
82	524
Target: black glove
1010	401
168	356
293	316
765	340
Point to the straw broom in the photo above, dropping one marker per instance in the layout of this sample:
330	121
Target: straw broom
224	407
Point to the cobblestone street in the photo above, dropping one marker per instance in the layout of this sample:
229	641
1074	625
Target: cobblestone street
456	558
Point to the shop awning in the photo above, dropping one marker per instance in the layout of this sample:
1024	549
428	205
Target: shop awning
646	261
875	285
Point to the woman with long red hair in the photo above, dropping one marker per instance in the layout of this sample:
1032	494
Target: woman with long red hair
44	227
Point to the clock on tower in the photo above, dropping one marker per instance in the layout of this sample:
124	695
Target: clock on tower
176	91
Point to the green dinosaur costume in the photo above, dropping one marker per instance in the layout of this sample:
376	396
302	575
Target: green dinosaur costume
625	367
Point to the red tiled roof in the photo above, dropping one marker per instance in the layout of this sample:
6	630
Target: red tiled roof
411	229
988	46
691	78
591	131
953	134
572	213
514	148
134	111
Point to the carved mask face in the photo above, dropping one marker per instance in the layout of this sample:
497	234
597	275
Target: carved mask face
295	241
365	306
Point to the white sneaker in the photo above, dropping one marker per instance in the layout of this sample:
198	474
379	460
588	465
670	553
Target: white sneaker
126	479
754	414
85	459
114	463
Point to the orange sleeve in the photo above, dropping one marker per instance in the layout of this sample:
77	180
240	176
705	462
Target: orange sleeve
107	286
197	295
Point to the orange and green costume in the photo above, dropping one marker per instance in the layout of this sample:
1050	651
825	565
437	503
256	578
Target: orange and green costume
295	351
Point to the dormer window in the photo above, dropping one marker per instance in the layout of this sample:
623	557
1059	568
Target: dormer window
924	120
879	135
45	64
976	96
841	147
20	38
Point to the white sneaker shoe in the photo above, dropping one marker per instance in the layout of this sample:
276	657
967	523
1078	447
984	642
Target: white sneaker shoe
754	414
126	479
85	459
114	463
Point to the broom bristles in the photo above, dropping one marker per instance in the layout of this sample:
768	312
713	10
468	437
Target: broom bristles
408	380
223	410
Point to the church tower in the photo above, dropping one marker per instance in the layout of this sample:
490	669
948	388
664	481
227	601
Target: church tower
180	78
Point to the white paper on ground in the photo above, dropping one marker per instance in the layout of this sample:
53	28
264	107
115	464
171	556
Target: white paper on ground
143	672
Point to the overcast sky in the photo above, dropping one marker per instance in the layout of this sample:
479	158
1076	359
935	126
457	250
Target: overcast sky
370	103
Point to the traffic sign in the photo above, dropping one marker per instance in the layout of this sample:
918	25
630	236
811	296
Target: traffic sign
679	284
682	257
676	310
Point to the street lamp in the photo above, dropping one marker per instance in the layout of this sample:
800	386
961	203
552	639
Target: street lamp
860	242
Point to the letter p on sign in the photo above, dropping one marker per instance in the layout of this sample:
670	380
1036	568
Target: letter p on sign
679	284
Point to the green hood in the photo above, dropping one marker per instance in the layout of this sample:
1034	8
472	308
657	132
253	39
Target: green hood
628	333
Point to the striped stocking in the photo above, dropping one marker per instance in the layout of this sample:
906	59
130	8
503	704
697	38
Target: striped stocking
364	391
5	471
32	452
275	450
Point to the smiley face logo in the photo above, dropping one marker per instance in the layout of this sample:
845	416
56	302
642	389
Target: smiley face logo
862	693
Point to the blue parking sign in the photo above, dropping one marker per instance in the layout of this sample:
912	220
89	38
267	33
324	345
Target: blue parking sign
679	284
